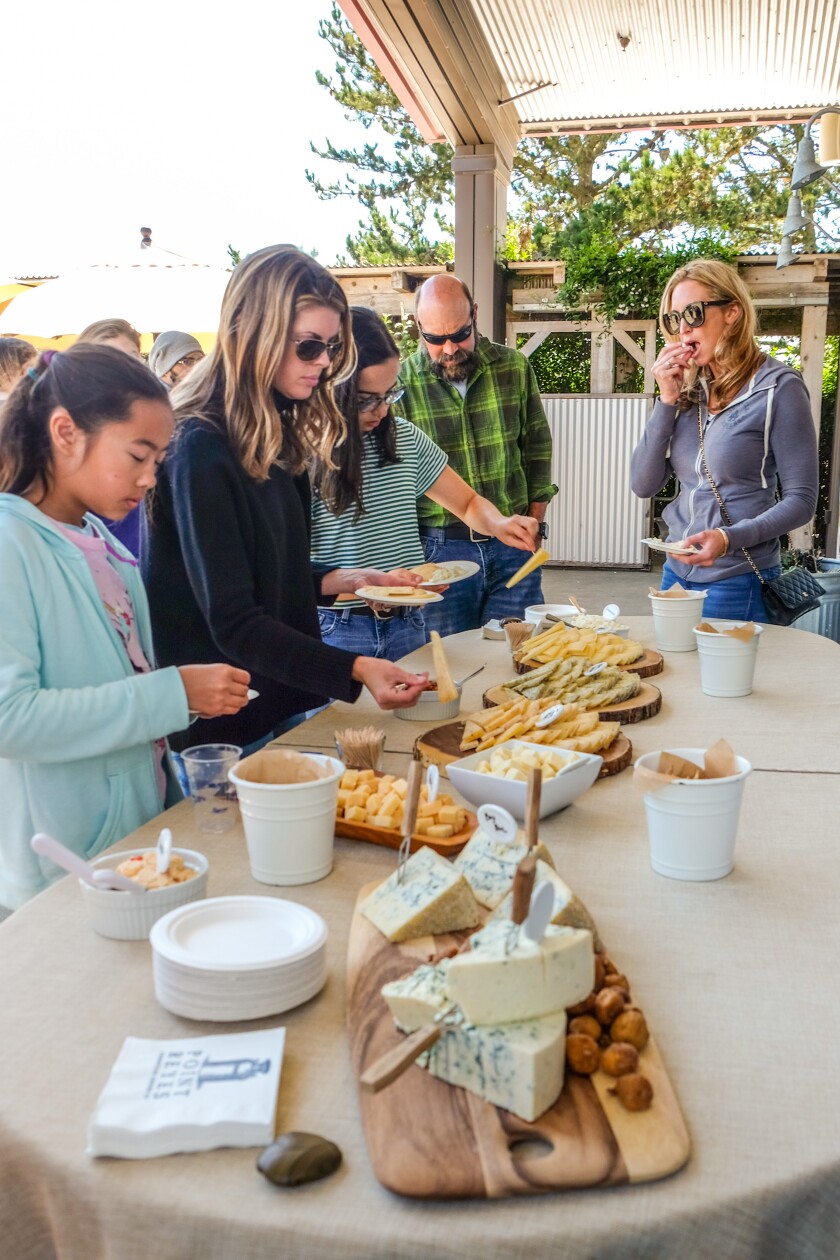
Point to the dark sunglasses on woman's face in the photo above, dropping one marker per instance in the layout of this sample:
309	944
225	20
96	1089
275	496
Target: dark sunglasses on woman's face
311	348
369	402
694	315
434	339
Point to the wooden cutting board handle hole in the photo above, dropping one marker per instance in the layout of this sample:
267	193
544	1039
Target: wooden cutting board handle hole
526	1149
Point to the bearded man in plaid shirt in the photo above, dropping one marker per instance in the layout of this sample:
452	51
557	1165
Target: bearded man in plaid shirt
480	402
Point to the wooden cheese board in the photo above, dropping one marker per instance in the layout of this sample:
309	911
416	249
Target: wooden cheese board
392	839
430	1140
647	665
645	704
442	744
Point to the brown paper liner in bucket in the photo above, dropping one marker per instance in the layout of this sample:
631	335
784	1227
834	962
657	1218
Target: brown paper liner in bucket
282	766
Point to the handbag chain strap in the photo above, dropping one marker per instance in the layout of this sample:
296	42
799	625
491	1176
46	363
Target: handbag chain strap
727	519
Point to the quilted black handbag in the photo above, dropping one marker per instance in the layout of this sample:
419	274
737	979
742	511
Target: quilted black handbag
790	595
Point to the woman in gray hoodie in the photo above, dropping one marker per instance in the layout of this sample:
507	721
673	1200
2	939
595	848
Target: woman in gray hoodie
758	443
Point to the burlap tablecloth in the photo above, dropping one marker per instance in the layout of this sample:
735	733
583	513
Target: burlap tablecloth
737	979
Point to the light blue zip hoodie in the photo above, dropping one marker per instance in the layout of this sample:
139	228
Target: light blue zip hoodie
77	725
763	437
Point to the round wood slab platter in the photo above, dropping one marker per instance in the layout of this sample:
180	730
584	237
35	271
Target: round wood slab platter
649	663
442	744
646	704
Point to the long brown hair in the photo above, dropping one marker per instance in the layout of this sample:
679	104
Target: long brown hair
736	354
234	384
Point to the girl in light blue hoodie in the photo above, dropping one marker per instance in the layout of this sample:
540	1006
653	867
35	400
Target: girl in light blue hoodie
83	712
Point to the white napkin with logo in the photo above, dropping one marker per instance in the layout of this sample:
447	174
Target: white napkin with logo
193	1095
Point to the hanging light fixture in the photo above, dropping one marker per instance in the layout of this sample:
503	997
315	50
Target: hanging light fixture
786	254
830	139
795	220
806	168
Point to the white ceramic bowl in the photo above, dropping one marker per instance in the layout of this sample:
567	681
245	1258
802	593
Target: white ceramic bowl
534	613
490	789
429	708
127	916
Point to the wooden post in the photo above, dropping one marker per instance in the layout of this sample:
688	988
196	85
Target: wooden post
812	358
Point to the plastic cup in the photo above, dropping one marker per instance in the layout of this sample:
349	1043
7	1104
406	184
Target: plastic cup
674	620
692	823
289	827
214	798
727	665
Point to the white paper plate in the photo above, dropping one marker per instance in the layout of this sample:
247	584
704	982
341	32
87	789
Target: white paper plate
672	549
239	934
398	601
257	1006
467	569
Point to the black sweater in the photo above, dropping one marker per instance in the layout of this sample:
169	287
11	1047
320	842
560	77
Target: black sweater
226	563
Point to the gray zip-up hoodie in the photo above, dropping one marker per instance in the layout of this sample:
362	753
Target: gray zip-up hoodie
765	436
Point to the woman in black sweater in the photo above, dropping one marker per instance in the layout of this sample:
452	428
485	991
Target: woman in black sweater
226	547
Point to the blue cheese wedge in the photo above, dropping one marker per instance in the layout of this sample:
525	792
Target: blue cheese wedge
515	1066
431	898
505	977
417	999
489	865
569	910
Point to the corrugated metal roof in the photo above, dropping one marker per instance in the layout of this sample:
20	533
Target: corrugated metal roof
686	60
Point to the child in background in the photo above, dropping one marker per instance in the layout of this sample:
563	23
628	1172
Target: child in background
83	711
15	357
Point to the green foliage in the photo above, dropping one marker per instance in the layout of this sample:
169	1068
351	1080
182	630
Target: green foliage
234	255
561	363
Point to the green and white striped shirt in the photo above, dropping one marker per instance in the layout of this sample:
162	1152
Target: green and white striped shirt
386	536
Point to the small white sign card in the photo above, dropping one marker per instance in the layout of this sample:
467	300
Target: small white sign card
163	1097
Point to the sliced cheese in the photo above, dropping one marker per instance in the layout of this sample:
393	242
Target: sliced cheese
515	1066
431	897
533	562
446	688
489	865
416	999
504	977
569	910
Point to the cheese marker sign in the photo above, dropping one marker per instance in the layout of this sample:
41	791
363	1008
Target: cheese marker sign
497	822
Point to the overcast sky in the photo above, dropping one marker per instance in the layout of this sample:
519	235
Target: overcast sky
193	120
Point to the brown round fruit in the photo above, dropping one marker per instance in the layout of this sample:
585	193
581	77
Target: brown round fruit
613	980
631	1026
599	974
582	1054
586	1024
619	1059
635	1091
608	1005
582	1008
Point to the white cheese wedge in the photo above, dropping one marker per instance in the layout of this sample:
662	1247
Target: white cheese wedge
431	898
416	999
505	977
569	910
516	1066
489	865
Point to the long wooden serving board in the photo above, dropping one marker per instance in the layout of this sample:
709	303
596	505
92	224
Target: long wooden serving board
430	1140
645	704
442	744
647	665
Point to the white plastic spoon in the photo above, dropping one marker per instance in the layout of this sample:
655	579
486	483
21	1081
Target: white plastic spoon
611	612
97	877
539	915
163	853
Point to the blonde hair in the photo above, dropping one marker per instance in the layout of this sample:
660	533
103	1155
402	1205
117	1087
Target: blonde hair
264	296
105	330
736	354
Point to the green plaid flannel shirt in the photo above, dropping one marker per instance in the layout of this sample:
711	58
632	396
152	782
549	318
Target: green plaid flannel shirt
497	438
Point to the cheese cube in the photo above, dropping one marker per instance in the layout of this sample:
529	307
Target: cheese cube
381	820
431	898
356	797
504	977
373	803
416	999
391	803
350	779
569	910
449	814
355	813
489	865
367	776
343	794
400	786
441	831
517	1066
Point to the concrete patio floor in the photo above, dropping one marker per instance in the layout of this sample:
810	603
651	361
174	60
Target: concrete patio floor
593	588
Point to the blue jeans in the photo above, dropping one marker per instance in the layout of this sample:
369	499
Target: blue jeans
736	598
366	635
469	604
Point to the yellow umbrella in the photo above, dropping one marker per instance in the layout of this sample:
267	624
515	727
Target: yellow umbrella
8	290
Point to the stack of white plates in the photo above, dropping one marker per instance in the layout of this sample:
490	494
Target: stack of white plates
236	958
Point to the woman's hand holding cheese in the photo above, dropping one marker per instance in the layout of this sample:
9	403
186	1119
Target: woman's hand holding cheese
213	690
390	686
